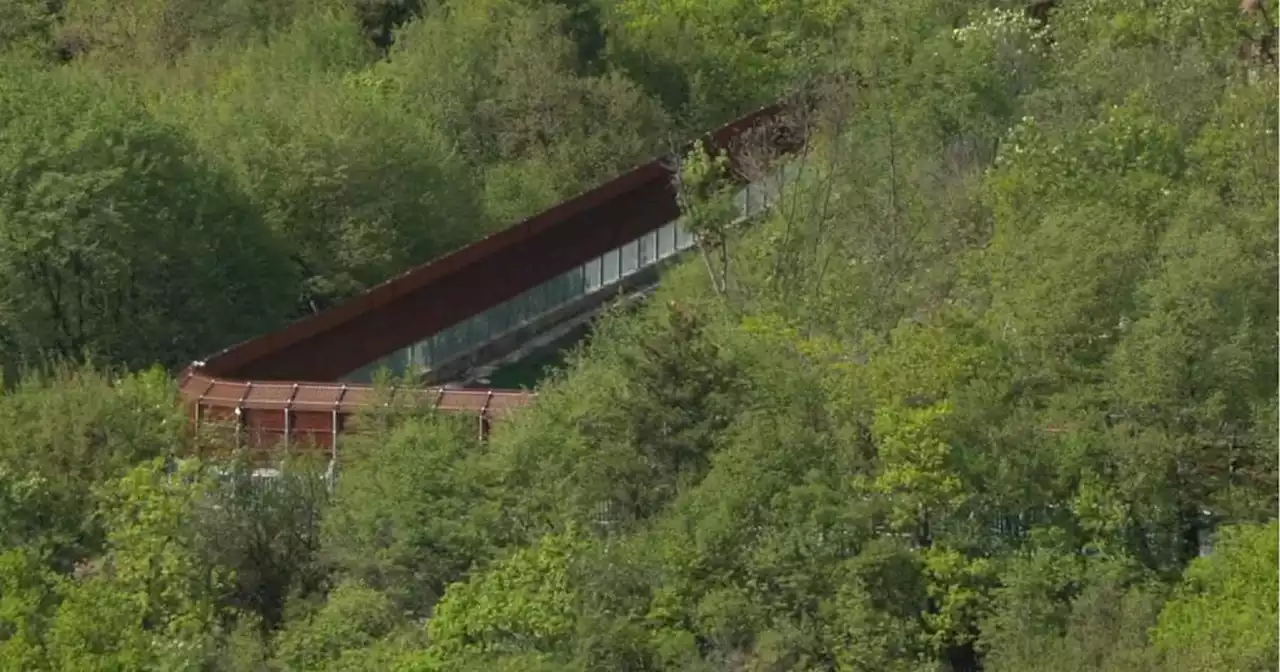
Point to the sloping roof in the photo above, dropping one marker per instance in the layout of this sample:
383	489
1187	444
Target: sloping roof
449	289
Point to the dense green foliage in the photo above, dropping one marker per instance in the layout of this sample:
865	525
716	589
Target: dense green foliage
993	386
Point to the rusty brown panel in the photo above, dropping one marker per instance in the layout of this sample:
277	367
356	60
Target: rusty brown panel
220	398
304	421
357	397
214	414
457	286
264	419
416	396
511	398
194	385
269	395
505	402
464	400
261	438
225	393
262	429
315	424
319	397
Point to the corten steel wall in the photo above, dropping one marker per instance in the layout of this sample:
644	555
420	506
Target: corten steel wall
261	414
256	388
436	295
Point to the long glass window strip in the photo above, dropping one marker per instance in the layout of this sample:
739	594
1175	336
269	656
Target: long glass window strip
591	276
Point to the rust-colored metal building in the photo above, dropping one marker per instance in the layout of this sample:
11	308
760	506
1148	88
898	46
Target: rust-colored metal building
279	386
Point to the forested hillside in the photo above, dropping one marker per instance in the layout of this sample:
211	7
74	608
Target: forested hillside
993	387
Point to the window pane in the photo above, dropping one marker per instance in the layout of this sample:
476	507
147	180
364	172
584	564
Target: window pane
455	343
500	318
520	309
577	281
416	355
683	239
433	349
479	329
591	271
553	294
465	337
666	240
537	301
563	287
648	245
610	274
447	346
630	254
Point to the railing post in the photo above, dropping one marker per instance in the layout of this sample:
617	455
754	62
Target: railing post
240	420
484	416
337	407
288	413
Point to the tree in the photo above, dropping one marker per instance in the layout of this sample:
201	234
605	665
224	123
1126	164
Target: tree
355	187
993	369
69	431
410	514
617	445
524	605
709	61
26	27
114	239
155	33
1057	610
353	618
534	125
151	603
28	593
267	534
703	191
1223	614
